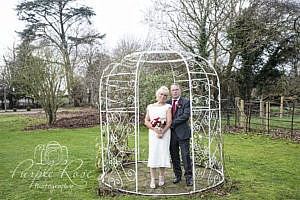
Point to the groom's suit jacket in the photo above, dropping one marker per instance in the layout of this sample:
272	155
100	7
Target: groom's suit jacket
180	125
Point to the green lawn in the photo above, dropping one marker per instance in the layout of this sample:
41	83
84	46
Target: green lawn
256	166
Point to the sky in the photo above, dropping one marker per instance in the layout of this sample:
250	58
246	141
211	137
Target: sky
117	19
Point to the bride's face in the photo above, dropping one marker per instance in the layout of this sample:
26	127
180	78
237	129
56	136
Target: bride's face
162	97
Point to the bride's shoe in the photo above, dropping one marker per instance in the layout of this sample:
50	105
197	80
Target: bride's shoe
161	180
152	183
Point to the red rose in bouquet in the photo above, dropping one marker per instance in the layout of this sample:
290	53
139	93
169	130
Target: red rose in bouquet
157	122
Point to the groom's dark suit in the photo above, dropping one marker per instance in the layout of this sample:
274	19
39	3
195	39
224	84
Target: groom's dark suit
180	137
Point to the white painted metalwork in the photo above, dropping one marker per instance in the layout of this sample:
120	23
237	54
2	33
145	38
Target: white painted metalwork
123	158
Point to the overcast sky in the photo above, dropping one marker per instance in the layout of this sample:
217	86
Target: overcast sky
116	18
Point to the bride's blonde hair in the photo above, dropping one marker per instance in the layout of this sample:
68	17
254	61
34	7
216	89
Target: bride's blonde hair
162	89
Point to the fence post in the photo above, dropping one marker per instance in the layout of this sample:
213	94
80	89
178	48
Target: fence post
237	112
249	117
268	117
281	106
292	125
242	115
227	119
261	113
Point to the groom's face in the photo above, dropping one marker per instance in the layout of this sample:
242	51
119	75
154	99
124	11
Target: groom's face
175	91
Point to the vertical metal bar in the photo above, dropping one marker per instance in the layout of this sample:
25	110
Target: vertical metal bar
246	117
237	112
227	118
261	113
292	125
191	118
268	117
249	117
136	118
5	98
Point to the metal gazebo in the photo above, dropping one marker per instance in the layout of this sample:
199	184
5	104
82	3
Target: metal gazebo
123	149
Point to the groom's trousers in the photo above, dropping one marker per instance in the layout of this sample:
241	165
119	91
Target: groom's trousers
184	146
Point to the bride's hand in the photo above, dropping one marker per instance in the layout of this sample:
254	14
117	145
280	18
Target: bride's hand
160	134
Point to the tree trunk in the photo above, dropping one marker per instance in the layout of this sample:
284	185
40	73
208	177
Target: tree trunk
51	116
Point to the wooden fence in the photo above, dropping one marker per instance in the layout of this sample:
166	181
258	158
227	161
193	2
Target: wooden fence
267	117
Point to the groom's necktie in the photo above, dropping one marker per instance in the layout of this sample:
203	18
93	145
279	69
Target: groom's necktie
173	107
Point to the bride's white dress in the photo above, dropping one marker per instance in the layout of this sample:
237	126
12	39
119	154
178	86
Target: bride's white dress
159	153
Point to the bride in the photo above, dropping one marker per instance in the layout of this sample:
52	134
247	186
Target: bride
158	119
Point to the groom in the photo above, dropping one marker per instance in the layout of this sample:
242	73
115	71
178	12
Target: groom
180	135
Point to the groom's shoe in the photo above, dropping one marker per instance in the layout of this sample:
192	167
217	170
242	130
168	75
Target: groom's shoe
177	179
189	182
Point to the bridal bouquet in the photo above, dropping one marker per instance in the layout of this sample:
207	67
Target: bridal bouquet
158	122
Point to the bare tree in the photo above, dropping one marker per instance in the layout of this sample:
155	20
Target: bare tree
199	26
96	59
124	47
39	75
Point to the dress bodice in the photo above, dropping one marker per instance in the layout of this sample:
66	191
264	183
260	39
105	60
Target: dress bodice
156	111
